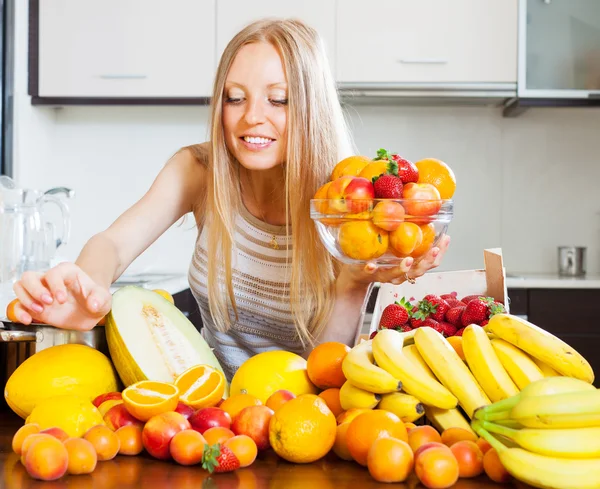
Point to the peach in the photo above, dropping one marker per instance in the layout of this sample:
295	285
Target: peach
350	194
159	430
388	215
209	417
451	435
22	433
185	410
106	405
437	468
106	397
427	446
82	456
105	442
469	458
421	435
187	447
28	441
118	416
57	433
47	458
279	398
253	421
421	193
130	439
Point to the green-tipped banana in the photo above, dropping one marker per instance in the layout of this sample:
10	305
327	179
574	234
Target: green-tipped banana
542	345
359	368
353	397
387	349
568	443
544	471
408	408
521	368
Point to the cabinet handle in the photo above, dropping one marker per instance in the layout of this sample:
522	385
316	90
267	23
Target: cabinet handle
122	77
423	61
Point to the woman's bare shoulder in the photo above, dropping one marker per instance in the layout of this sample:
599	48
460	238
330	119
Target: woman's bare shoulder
195	153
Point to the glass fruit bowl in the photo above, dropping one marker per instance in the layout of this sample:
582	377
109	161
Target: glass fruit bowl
382	231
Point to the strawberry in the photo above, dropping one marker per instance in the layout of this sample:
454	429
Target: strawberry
454	315
496	308
438	306
476	311
448	329
419	314
373	334
387	187
469	298
405	328
407	171
459	332
451	295
432	323
484	322
394	315
454	303
219	458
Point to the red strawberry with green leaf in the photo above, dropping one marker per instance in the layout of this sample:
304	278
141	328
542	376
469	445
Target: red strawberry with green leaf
454	315
219	458
476	311
454	303
432	323
448	329
451	295
405	328
387	186
395	314
496	308
407	170
437	306
469	298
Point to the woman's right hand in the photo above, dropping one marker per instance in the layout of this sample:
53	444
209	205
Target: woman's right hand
64	297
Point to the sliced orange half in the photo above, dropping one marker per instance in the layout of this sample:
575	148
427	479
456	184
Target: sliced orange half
201	386
148	398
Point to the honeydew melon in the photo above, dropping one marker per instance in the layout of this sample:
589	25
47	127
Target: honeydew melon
149	338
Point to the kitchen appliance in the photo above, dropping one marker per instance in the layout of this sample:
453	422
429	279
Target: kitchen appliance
571	261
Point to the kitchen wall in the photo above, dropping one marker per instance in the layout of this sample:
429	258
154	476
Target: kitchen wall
527	184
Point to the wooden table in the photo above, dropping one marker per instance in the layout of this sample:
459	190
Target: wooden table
269	471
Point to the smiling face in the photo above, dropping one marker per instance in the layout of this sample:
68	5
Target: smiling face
255	107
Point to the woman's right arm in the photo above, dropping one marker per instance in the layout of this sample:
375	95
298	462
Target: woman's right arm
78	293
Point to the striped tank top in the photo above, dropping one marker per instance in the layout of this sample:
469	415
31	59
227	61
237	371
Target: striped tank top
260	276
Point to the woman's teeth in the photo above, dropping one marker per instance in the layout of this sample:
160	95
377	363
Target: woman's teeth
257	140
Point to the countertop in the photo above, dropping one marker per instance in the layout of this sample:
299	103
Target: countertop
551	281
268	471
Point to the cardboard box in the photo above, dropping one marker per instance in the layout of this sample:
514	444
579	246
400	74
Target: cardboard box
489	281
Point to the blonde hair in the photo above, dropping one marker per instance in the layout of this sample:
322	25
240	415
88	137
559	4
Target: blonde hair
317	140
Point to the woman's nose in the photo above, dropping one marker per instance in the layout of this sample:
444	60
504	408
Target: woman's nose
255	113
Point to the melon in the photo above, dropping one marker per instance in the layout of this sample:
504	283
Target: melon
149	338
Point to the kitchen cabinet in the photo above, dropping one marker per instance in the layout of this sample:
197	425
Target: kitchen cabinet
233	15
122	48
430	41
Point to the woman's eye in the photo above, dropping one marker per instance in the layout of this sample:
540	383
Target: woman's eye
233	100
279	101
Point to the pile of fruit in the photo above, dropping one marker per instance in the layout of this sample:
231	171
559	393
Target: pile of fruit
386	205
445	313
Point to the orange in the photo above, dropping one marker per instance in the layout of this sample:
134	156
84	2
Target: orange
201	386
374	169
352	165
11	314
405	239
165	294
323	206
390	460
244	448
362	240
303	430
456	343
368	427
324	364
340	447
428	231
148	398
438	174
234	404
332	399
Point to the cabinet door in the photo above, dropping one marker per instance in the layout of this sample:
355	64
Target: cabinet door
459	41
233	15
126	48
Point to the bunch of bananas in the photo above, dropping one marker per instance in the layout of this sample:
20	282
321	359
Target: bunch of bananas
420	372
554	427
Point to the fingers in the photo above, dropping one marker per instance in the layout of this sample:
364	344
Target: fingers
32	284
26	300
91	296
22	314
98	300
56	283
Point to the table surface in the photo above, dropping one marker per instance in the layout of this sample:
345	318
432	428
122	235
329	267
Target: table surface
268	471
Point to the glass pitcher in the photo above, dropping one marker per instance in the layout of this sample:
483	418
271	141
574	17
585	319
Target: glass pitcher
27	235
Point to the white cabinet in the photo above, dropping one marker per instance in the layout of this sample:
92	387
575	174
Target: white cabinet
233	15
126	48
435	41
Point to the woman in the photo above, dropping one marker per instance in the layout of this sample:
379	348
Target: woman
260	275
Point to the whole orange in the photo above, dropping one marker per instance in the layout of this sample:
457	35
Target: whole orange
332	399
324	364
352	165
438	174
303	430
362	240
368	427
234	404
390	460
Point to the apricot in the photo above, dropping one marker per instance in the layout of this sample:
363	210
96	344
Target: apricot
350	414
187	447
421	435
105	442
244	448
27	442
217	435
82	456
390	460
340	447
47	458
22	433
279	398
427	446
57	433
494	468
254	422
469	458
160	429
130	439
483	445
437	468
451	435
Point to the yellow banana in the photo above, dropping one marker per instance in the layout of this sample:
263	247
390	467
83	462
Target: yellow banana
412	353
408	408
542	345
450	369
568	443
359	368
353	397
442	419
389	354
544	471
546	369
485	365
521	368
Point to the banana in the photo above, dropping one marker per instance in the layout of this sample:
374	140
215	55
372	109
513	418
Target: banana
359	368
408	408
485	365
544	471
567	443
389	354
521	368
450	369
411	352
546	369
442	419
541	345
353	397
